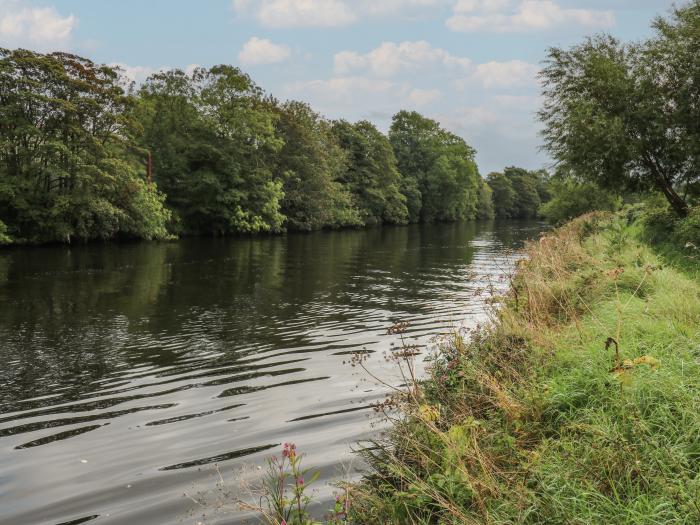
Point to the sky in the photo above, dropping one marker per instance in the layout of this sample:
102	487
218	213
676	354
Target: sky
470	64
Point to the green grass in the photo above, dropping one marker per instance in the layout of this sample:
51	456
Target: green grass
534	421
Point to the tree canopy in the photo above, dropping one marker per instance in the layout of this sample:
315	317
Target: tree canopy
69	165
440	177
626	116
86	155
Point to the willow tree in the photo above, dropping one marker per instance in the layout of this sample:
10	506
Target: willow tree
626	116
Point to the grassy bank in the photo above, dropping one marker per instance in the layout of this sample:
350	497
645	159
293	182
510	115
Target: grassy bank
579	403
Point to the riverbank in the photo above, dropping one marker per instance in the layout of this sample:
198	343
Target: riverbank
579	403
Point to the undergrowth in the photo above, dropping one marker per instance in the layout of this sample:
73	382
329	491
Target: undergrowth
578	403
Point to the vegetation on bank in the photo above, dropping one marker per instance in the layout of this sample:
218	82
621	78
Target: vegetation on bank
578	403
85	155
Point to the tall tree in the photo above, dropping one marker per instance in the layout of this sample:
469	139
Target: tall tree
626	116
213	140
68	168
438	169
527	198
310	163
484	205
503	195
371	174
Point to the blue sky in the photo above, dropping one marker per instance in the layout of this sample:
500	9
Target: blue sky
471	64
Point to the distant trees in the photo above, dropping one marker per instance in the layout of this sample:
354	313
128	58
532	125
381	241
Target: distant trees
440	177
518	193
626	116
226	158
311	165
370	173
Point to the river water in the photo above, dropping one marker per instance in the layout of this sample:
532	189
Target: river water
128	371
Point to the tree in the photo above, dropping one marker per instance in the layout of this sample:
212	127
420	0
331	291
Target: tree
503	195
68	165
310	164
371	174
214	141
440	179
484	205
527	199
625	116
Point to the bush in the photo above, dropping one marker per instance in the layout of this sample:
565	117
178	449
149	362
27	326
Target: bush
660	225
571	199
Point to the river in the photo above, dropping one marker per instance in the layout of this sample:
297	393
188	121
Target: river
127	371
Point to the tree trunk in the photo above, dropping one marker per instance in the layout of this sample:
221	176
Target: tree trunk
676	201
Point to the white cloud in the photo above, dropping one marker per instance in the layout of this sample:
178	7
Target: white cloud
390	58
524	15
506	74
324	13
422	97
263	51
291	13
41	28
337	96
340	89
470	6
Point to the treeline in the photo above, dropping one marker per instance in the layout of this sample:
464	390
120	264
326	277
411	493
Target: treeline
85	155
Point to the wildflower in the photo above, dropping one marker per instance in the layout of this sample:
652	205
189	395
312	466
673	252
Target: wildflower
300	482
289	450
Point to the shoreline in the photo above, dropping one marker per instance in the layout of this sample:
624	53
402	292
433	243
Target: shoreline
577	402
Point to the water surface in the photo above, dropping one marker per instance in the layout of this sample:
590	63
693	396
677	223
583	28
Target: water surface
127	371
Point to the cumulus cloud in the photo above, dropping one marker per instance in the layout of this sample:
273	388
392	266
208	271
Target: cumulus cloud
419	98
391	58
41	28
323	13
338	96
263	51
506	74
523	15
340	89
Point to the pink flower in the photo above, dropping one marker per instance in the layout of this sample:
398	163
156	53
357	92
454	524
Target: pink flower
289	450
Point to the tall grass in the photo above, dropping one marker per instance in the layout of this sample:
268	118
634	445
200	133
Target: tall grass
578	403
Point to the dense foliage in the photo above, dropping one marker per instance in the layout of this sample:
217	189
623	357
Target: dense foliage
213	142
626	116
70	166
570	198
85	155
439	175
518	193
